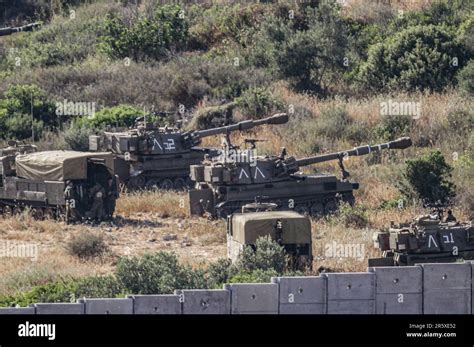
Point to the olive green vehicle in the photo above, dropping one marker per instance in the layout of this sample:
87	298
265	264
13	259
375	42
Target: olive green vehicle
72	185
154	157
289	228
239	176
427	239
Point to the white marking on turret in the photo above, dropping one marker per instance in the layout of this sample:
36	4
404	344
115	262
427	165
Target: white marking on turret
156	143
368	148
243	172
258	170
434	241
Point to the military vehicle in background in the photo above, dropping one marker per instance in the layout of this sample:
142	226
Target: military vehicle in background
15	148
73	185
151	157
225	185
289	228
427	239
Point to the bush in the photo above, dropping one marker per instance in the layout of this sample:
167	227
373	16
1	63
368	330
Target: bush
416	58
428	178
219	273
87	245
77	137
257	103
16	108
117	116
255	276
351	216
392	127
466	78
267	255
158	273
67	290
308	57
152	35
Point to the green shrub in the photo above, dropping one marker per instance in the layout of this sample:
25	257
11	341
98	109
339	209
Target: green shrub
67	290
267	255
152	35
77	137
254	276
309	57
117	116
392	127
87	245
219	273
466	78
158	273
416	58
351	216
257	102
428	178
19	103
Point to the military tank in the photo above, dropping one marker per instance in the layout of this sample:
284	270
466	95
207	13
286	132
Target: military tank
289	228
15	148
154	157
76	186
239	176
426	239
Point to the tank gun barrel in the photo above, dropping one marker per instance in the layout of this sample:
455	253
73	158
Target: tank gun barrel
401	143
279	118
10	30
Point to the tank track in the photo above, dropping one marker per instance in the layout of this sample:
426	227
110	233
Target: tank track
316	208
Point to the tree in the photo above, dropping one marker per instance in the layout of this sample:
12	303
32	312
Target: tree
309	56
16	108
417	58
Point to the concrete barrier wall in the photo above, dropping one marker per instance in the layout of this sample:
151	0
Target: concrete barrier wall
421	289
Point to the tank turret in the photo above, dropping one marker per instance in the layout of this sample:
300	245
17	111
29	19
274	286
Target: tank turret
148	156
236	177
427	238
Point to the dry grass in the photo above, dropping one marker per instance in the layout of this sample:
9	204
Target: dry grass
163	203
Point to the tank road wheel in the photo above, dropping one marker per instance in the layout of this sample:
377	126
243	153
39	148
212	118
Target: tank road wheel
166	184
190	183
37	213
302	209
179	184
7	211
137	182
330	207
152	183
48	213
317	209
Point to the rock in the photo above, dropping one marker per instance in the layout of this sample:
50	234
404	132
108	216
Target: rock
170	237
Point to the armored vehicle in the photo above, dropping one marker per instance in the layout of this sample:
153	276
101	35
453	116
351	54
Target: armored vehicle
289	228
426	239
148	157
225	185
73	185
15	148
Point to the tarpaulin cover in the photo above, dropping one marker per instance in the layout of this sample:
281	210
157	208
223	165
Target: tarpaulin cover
58	165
